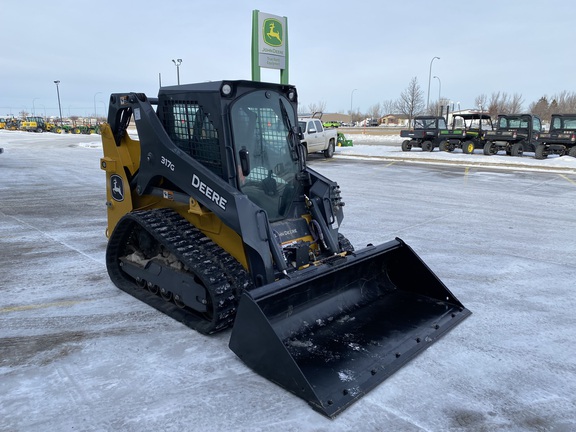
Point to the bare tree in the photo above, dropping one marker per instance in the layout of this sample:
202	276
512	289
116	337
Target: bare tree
439	107
553	107
540	108
411	101
570	106
503	103
481	102
389	106
375	112
494	105
515	104
317	107
356	116
566	102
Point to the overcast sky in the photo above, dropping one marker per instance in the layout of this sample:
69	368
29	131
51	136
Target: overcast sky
376	47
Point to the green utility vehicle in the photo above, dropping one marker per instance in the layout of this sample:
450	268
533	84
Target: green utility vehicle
560	140
425	134
515	133
467	133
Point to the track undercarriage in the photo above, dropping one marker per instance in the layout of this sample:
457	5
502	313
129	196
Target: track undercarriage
159	258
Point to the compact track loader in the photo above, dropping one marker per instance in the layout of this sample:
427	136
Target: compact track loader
215	220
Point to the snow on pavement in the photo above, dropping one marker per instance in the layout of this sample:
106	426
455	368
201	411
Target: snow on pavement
77	354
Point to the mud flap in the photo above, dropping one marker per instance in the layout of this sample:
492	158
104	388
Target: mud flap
332	333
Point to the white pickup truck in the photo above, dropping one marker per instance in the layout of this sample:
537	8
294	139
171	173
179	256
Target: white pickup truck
316	138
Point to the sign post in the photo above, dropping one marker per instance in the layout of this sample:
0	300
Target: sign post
269	44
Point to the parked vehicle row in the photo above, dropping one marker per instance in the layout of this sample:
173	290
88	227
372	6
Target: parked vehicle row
38	124
513	134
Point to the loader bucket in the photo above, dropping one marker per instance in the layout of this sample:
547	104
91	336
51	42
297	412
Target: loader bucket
331	333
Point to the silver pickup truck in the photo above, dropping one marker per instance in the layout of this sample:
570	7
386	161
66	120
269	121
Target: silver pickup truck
316	138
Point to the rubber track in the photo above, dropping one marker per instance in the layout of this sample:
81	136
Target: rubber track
224	278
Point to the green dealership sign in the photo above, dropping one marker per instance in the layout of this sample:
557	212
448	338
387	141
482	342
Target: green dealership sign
269	44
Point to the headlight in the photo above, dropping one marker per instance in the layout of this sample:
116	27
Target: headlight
226	90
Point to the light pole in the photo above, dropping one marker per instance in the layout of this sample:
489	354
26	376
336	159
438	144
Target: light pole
351	98
96	112
177	62
59	106
33	107
439	88
430	79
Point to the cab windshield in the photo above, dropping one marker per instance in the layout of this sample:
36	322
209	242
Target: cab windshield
429	123
261	124
514	122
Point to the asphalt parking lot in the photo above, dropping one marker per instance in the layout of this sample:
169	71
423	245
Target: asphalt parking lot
78	354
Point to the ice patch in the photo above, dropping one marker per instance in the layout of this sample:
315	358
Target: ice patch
301	344
354	346
91	145
346	375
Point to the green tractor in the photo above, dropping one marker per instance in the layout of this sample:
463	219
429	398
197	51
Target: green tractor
342	141
86	129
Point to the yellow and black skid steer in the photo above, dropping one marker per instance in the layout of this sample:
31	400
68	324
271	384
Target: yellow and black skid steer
215	219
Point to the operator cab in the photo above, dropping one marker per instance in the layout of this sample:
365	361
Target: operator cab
263	131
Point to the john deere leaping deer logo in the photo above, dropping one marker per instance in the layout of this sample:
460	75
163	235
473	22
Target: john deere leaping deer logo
116	187
272	32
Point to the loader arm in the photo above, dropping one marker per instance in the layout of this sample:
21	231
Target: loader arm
161	161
